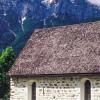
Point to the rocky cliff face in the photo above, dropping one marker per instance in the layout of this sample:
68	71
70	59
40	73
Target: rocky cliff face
18	18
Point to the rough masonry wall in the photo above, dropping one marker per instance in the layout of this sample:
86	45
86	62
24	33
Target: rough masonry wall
53	88
18	89
95	88
62	88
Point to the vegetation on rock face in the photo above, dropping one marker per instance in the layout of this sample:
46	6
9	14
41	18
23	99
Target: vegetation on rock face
6	61
19	18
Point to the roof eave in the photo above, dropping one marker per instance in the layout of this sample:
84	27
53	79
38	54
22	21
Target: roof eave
47	75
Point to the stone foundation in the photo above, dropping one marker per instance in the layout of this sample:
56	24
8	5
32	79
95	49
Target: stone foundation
54	88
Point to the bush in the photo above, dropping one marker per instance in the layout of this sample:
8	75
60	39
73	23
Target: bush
6	61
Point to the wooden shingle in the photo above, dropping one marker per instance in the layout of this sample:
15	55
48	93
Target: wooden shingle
61	50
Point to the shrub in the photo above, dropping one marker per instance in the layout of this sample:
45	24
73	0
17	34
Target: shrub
6	61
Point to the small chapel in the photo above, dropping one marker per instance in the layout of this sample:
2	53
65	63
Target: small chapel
59	63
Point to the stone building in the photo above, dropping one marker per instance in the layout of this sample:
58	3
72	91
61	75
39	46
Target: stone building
61	63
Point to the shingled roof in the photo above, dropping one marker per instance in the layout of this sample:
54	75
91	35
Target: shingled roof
61	50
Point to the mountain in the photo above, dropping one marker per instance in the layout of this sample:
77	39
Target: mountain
19	18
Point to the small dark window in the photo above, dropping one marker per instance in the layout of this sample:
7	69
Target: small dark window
87	90
34	91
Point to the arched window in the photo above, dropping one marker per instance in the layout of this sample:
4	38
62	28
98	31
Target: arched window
87	90
34	91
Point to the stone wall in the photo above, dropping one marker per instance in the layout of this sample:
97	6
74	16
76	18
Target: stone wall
54	88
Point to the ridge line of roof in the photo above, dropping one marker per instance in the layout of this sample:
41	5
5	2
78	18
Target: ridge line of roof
70	25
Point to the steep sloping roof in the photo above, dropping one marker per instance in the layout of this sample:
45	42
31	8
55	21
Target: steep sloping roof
61	50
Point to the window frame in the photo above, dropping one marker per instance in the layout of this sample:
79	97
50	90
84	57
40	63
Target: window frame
33	91
87	90
82	88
